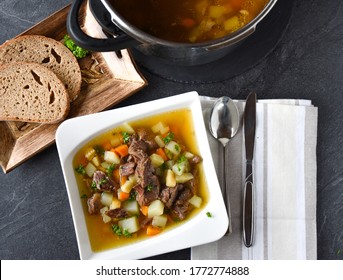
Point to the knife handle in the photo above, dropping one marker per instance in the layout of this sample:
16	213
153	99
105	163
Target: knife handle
248	206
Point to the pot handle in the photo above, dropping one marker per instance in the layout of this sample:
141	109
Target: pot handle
122	41
237	39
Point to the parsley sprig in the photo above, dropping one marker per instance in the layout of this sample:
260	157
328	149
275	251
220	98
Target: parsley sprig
118	231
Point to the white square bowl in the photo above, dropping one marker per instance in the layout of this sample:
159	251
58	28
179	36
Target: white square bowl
199	229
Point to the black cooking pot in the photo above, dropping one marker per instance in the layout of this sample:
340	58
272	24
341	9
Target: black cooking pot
129	36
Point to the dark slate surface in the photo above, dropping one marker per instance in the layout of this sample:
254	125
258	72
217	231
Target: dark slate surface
35	218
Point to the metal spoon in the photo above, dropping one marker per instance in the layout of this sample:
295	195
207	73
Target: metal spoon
224	123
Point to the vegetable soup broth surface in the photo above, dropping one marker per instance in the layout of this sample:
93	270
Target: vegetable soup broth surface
189	21
101	234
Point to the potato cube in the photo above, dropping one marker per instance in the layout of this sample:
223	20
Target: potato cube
106	198
90	169
184	177
170	179
156	208
131	206
156	160
195	201
115	203
173	147
159	221
111	157
130	225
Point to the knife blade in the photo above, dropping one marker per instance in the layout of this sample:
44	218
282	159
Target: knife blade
248	190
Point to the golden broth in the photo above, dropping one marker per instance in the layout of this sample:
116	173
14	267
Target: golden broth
189	21
181	123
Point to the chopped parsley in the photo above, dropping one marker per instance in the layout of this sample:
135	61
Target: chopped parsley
99	150
110	170
103	182
182	159
133	194
80	169
93	186
209	214
126	137
83	196
118	231
169	137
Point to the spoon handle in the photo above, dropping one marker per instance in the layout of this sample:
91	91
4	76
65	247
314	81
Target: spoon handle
225	189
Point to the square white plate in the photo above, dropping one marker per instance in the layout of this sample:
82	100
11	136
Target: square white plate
200	229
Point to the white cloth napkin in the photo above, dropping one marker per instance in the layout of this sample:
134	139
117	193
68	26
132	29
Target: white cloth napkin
285	183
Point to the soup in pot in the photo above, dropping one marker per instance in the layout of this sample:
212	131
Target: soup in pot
189	21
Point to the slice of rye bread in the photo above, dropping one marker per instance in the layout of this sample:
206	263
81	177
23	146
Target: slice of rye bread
31	92
48	52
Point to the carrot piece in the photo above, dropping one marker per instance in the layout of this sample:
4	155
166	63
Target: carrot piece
144	210
107	145
162	153
122	150
150	230
116	175
123	179
188	22
83	161
122	196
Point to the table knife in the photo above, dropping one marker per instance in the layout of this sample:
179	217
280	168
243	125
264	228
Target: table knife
248	190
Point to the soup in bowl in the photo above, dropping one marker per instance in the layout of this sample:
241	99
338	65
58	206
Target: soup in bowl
141	180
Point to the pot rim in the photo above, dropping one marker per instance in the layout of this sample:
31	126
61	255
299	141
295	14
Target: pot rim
144	37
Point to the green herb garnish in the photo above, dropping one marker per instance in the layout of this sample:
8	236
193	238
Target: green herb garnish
93	186
99	150
149	188
126	137
169	137
110	170
80	169
83	196
126	233
118	231
182	159
209	214
133	195
77	51
103	182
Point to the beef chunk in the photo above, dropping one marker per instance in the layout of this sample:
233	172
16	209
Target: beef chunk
103	183
127	169
144	169
138	149
117	213
145	173
148	137
147	195
168	195
195	160
180	207
94	204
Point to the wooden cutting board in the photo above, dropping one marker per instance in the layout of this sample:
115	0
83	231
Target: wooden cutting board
107	80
